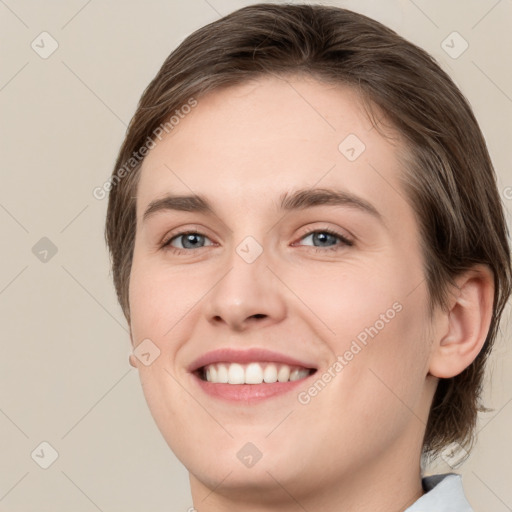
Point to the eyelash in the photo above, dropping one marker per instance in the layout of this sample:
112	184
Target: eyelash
345	241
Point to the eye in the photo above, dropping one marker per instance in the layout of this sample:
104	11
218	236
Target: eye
326	238
186	240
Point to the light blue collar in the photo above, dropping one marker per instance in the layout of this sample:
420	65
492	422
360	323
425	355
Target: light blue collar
444	493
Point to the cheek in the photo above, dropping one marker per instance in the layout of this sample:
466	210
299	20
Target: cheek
352	301
376	327
382	348
377	395
160	298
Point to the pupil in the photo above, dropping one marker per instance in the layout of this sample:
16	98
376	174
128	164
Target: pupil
190	239
321	237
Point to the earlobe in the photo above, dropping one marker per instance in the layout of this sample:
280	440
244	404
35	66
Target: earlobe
469	319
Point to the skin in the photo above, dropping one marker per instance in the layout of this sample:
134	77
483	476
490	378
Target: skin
356	445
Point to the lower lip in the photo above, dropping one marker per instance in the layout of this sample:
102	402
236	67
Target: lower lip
248	392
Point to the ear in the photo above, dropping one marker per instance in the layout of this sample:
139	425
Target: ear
132	360
465	324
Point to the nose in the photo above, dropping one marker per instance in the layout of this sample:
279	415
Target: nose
247	294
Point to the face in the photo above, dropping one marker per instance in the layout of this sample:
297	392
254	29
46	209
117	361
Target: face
323	287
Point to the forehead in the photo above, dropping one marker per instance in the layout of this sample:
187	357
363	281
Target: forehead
246	145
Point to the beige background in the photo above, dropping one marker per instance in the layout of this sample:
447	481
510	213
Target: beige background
65	377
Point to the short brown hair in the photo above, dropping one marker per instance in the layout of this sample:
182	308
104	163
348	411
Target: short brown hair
448	175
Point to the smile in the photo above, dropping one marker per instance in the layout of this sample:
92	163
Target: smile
248	376
252	373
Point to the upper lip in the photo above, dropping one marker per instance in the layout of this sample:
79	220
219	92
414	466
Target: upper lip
246	356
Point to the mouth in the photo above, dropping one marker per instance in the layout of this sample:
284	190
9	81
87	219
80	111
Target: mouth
249	376
252	373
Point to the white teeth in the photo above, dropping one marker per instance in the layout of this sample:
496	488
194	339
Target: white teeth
283	375
295	374
253	373
222	374
236	374
270	373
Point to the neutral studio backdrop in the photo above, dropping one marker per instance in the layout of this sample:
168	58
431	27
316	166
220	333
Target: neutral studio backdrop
66	98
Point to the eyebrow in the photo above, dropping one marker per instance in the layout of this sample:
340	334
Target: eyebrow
297	200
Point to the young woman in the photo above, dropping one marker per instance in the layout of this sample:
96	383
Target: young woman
310	250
